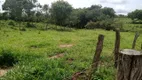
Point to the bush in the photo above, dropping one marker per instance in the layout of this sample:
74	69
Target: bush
11	23
7	58
92	25
105	24
30	25
22	29
135	21
108	25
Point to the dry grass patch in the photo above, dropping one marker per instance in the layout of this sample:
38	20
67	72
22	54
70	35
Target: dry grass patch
4	71
66	45
57	56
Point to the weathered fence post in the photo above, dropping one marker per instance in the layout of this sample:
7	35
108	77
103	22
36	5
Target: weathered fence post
96	56
141	46
129	65
135	39
117	46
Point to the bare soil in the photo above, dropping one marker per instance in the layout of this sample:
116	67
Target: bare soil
66	45
57	56
4	71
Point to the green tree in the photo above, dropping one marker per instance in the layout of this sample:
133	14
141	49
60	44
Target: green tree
45	8
94	12
77	18
15	7
109	11
60	11
80	17
137	14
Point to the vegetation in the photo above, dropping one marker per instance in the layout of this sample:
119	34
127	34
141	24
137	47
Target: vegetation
60	13
17	8
136	16
30	51
39	42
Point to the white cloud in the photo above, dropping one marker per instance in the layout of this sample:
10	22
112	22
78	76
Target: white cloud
1	2
122	11
74	3
114	1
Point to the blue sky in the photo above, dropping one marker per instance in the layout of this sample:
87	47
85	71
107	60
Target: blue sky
120	6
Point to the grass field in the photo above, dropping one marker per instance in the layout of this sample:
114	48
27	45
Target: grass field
34	48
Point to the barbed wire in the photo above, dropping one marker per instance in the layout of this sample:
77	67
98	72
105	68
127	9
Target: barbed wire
105	65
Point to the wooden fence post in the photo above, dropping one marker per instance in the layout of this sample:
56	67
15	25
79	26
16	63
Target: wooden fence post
96	58
117	47
135	39
129	65
141	46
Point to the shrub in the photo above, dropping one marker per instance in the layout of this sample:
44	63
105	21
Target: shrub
7	58
105	24
135	21
30	25
11	23
22	29
92	25
14	28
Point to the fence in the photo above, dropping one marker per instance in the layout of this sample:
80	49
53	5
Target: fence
128	62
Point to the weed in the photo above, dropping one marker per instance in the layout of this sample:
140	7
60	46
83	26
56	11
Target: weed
7	58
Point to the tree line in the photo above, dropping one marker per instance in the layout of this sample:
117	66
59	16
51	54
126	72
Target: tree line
136	16
60	13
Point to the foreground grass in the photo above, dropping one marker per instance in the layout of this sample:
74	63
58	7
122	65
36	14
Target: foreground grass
33	49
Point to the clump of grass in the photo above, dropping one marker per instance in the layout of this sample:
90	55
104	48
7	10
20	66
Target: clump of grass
56	51
30	25
39	45
40	69
7	58
22	29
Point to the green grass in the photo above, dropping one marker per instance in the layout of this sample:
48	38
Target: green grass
33	50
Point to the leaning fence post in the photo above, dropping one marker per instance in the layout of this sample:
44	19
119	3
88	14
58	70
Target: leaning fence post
96	56
135	39
117	47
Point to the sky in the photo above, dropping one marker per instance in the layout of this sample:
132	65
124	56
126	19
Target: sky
120	6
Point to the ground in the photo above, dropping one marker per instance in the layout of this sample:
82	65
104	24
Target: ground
57	55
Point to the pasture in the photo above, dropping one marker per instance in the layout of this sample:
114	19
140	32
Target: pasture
57	54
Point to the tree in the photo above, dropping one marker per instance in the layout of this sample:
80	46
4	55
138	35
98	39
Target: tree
80	17
15	7
77	18
60	11
93	13
109	11
137	14
45	8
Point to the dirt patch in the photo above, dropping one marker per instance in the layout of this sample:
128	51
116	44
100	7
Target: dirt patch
57	56
4	71
69	60
65	45
80	76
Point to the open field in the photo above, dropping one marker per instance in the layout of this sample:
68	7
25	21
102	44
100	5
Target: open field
57	55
